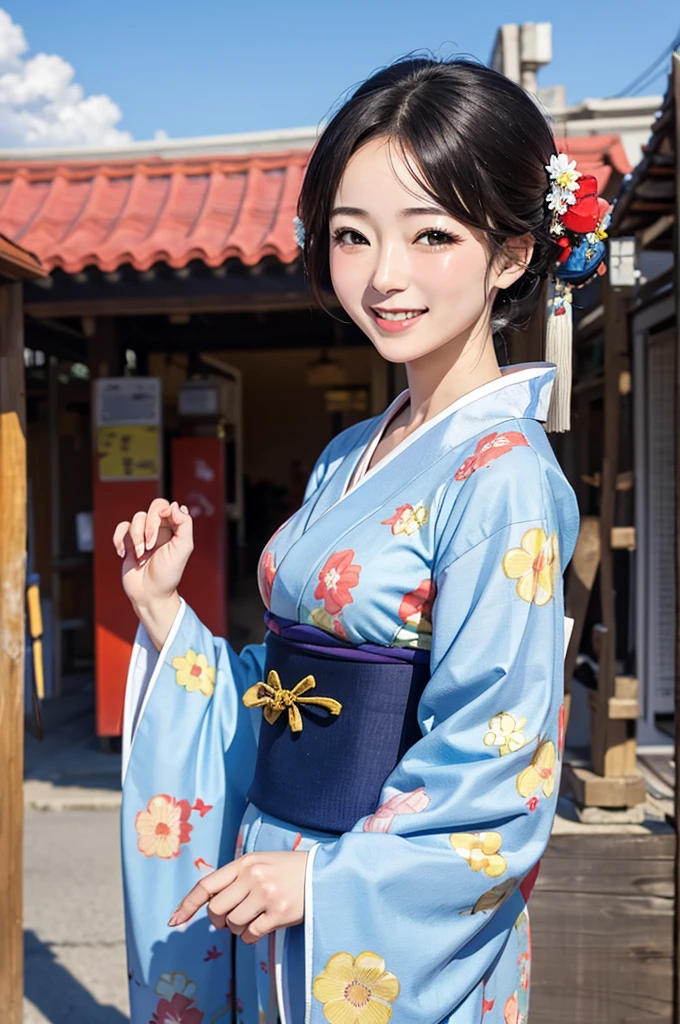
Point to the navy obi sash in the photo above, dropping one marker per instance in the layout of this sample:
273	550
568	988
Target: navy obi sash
321	766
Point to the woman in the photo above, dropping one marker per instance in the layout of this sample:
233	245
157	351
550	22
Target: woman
395	743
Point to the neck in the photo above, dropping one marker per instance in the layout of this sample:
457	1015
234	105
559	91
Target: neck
441	377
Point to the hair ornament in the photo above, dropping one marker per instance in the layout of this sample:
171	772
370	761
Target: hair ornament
299	229
579	224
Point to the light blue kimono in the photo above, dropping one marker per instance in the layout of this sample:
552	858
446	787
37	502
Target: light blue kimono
456	541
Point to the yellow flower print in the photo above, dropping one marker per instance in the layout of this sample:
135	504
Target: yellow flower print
505	733
541	770
407	519
535	566
194	673
356	991
480	850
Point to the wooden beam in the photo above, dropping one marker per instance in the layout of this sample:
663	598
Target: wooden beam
675	79
163	304
12	596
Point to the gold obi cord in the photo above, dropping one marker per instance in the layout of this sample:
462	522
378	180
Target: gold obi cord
273	699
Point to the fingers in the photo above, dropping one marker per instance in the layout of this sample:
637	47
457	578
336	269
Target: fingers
137	532
203	892
257	929
153	521
182	524
119	535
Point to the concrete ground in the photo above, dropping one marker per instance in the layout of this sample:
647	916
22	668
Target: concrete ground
75	970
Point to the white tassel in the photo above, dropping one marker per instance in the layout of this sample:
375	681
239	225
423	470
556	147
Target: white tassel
558	350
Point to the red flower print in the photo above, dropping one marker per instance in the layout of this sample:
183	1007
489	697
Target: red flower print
488	450
263	966
511	1010
488	1005
213	954
202	865
202	808
298	840
163	826
532	804
179	1011
266	571
416	606
339	630
335	580
560	731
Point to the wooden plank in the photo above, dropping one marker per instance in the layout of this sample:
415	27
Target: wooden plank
580	582
623	538
626	687
623	707
600	958
675	79
595	790
13	576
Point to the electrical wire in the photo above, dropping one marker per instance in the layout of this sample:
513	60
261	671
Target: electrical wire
644	79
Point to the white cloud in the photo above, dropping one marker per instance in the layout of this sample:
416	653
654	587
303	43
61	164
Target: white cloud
41	105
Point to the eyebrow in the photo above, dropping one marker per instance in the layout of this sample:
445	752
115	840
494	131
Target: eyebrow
411	211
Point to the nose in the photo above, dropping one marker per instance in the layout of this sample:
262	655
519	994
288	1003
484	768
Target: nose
390	273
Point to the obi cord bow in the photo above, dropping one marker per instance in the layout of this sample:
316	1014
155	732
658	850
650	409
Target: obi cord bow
273	699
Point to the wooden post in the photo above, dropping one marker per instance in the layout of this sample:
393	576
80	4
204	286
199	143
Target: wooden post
676	956
12	575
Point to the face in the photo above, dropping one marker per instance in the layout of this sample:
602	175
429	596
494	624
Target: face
408	274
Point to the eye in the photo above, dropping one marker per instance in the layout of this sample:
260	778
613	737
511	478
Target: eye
348	236
436	239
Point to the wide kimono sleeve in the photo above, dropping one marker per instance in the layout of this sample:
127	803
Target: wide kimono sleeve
408	912
189	754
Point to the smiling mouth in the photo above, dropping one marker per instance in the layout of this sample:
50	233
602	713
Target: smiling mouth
397	314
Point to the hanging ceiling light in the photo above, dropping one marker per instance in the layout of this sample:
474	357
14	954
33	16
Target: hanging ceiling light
325	372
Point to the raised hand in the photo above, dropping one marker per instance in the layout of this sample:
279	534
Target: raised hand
155	547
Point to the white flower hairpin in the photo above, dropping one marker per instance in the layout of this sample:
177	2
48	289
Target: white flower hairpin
299	229
564	182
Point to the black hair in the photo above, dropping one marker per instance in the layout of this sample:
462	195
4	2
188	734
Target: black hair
479	143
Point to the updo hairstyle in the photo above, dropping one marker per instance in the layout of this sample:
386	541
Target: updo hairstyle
477	144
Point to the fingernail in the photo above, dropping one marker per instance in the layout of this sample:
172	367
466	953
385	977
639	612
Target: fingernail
149	545
121	552
184	509
174	919
139	550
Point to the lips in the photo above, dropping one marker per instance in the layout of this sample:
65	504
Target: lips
394	321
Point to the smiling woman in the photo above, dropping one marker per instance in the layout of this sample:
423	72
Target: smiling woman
375	783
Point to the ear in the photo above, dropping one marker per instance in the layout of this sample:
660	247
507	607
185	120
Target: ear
514	259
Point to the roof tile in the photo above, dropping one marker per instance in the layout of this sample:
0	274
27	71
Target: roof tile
79	214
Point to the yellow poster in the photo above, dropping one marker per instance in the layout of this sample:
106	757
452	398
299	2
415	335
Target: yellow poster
128	452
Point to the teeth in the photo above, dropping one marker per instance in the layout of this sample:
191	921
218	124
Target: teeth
398	316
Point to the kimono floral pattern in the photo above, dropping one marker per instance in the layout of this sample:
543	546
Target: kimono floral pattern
480	850
415	611
193	672
356	991
163	827
401	803
541	771
488	450
407	519
178	1010
330	623
338	576
173	982
505	732
535	565
266	572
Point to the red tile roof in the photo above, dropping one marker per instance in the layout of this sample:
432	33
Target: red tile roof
106	214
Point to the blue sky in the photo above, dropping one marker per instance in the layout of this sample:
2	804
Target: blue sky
212	67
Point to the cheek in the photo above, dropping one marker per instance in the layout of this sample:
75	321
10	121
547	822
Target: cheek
348	277
454	275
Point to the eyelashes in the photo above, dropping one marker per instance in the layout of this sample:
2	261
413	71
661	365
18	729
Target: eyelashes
438	239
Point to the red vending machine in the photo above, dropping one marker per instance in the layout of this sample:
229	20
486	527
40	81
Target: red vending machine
126	478
207	478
